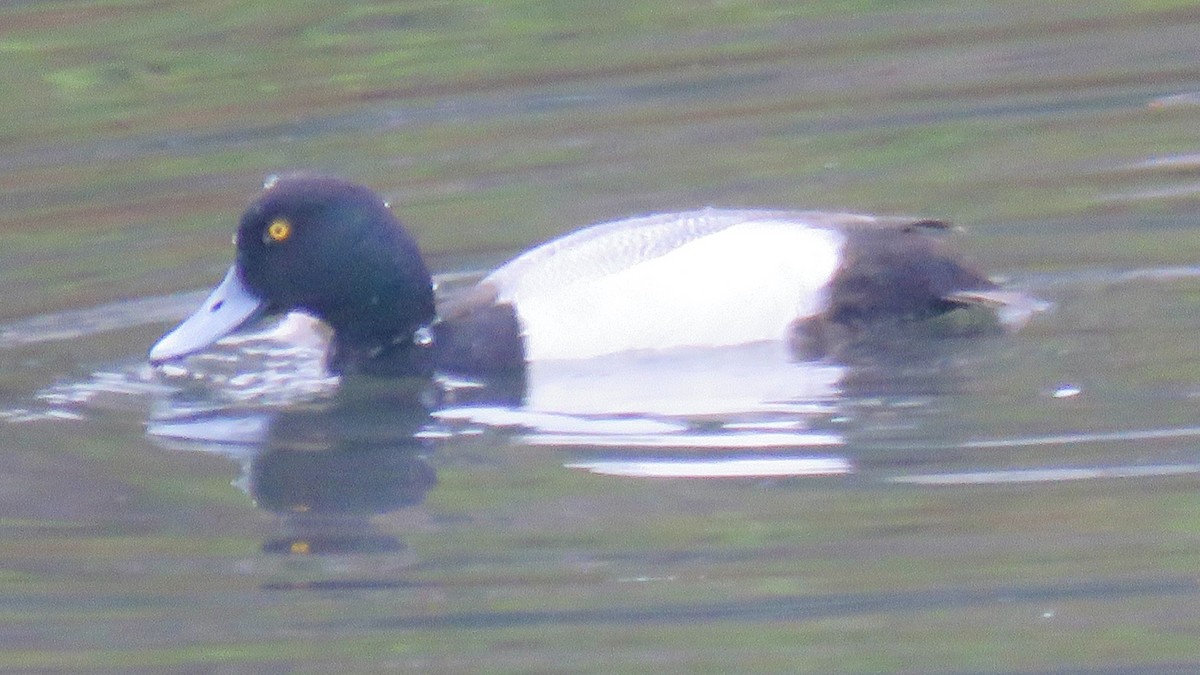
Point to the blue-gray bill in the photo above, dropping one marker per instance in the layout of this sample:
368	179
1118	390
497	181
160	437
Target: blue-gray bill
230	306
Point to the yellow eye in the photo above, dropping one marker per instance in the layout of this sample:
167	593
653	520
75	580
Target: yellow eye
279	230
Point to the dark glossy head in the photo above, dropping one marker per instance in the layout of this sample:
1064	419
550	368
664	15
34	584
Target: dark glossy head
333	248
326	246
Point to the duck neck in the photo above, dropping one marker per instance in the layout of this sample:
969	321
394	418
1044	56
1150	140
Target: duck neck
387	333
404	353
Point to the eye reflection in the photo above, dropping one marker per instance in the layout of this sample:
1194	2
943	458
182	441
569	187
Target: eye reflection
279	230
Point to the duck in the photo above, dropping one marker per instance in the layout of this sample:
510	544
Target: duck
710	277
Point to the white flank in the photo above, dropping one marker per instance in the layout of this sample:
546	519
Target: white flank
744	283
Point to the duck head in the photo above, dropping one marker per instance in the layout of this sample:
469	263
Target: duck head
327	247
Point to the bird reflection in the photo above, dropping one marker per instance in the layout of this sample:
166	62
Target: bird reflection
325	498
328	465
325	468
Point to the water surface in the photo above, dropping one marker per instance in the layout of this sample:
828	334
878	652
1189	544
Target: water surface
1003	503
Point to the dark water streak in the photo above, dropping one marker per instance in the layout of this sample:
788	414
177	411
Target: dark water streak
806	607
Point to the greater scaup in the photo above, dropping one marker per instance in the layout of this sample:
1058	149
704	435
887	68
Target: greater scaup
709	277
